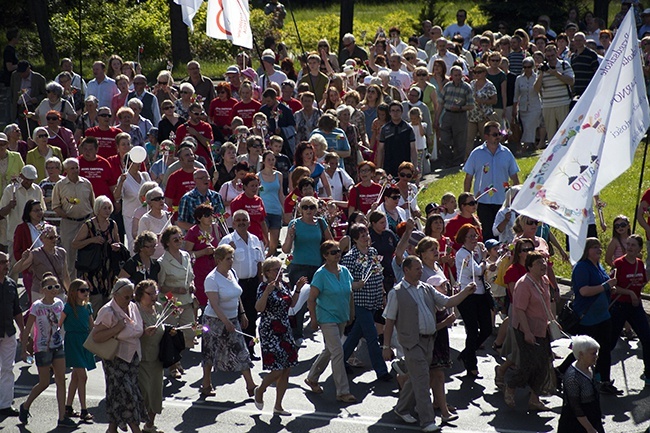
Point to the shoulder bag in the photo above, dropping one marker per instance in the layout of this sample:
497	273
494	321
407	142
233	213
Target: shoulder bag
89	258
105	350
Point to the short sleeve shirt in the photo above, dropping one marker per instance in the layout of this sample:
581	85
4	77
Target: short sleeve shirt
333	301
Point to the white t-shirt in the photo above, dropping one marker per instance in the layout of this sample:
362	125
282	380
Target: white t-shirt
465	31
341	181
400	79
420	139
228	290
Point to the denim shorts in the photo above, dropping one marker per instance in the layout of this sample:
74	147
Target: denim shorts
44	359
273	221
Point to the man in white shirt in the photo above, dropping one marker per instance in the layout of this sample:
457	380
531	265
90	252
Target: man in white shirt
460	28
442	54
102	87
434	34
270	73
398	78
395	40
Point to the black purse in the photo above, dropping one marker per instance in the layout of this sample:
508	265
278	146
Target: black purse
568	319
89	258
171	347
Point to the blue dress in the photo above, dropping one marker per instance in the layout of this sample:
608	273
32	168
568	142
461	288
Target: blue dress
76	331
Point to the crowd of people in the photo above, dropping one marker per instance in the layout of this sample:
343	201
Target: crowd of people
140	217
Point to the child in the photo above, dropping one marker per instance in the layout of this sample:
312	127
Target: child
48	348
77	317
152	145
379	175
448	202
620	232
260	126
282	162
498	292
419	129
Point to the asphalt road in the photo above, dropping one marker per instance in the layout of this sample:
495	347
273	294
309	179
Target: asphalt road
481	406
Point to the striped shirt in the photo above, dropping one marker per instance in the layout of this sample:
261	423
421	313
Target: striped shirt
554	92
459	95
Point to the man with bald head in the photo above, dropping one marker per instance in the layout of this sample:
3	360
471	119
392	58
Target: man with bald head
584	63
199	195
430	46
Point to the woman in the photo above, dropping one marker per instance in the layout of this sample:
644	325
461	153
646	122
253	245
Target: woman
339	179
182	104
14	144
429	94
439	75
369	106
119	100
101	230
254	147
253	204
529	228
47	258
129	69
475	309
435	227
88	119
307	118
177	278
59	136
581	401
385	242
394	213
357	118
115	63
121	319
223	346
358	144
77	320
225	170
593	289
467	206
329	60
485	96
44	317
366	192
169	122
164	89
408	189
335	137
531	314
500	81
142	266
331	308
233	188
320	146
272	196
71	93
150	372
527	104
279	352
156	219
125	116
305	156
220	111
200	241
28	236
41	152
331	99
54	101
620	234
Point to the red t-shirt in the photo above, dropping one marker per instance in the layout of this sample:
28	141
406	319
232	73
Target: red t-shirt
362	197
454	224
513	274
105	139
179	183
255	208
246	111
292	103
630	276
205	130
220	112
100	174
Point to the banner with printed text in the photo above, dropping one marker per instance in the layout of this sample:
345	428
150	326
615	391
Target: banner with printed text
230	19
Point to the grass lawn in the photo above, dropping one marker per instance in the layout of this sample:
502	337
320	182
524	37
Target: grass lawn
620	196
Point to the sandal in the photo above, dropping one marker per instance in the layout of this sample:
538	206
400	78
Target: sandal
85	416
346	398
71	413
251	391
207	392
314	386
509	397
498	379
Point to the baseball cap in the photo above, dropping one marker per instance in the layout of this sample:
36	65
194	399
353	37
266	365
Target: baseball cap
491	243
268	56
416	236
23	65
233	69
29	172
3	137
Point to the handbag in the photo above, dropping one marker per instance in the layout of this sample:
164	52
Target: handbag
89	258
106	350
171	347
568	319
554	328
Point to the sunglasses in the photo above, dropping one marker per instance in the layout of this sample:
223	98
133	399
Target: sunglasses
84	290
471	203
161	198
308	207
395	197
621	225
168	108
54	287
104	115
406	175
532	222
196	113
42	136
334	252
52	118
527	250
162	83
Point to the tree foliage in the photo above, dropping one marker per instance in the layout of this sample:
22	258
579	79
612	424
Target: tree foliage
518	13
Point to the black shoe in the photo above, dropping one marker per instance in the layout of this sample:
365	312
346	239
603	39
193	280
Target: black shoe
348	368
23	415
386	377
66	423
9	411
609	388
254	357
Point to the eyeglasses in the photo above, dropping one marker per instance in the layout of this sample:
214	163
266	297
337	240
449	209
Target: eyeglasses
421	75
406	175
83	290
495	134
308	207
196	113
42	136
162	83
52	287
258	145
527	250
471	203
104	115
532	222
621	225
161	198
395	197
52	118
334	252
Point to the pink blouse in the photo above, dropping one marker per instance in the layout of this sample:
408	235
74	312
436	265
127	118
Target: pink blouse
129	337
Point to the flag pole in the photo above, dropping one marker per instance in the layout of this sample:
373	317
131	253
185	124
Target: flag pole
638	193
296	26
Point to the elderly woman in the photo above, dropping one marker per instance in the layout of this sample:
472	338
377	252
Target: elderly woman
41	152
307	118
119	100
475	309
279	352
14	144
143	208
223	346
177	278
225	170
121	319
169	122
142	266
54	101
336	139
253	204
59	136
157	219
89	117
182	104
200	241
71	93
338	178
527	104
581	401
101	230
331	307
394	213
357	142
150	373
220	111
27	235
485	95
531	314
125	117
593	289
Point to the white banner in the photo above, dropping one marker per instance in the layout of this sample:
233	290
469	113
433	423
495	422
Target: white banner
594	145
189	9
230	19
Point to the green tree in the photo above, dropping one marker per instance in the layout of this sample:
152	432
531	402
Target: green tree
518	13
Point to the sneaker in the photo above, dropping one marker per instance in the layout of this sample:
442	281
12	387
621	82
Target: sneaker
299	342
66	423
23	415
406	417
399	365
433	427
609	389
386	377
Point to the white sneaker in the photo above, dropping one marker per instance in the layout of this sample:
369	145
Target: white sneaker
406	417
431	427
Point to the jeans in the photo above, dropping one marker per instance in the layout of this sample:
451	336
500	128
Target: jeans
625	312
475	310
364	326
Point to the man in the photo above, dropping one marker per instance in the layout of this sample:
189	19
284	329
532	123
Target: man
104	133
490	164
202	85
77	81
150	106
316	80
233	77
398	78
200	130
434	34
280	120
182	180
350	50
584	63
270	75
9	57
72	201
545	21
27	91
442	54
199	195
456	99
395	40
14	198
396	142
553	84
96	169
10	312
288	89
460	28
102	87
516	55
425	36
249	255
411	308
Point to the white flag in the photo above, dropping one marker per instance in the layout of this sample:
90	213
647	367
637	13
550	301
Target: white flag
594	145
189	9
230	19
